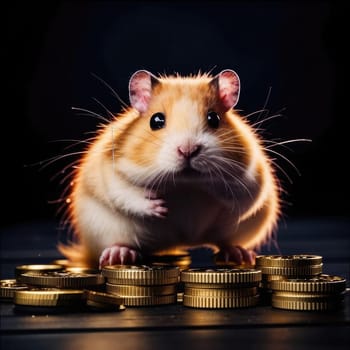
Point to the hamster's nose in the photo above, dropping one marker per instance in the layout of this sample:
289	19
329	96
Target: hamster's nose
188	151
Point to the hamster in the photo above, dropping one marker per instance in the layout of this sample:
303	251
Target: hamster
179	168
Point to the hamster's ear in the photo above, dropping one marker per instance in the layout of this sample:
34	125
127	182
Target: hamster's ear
140	89
228	86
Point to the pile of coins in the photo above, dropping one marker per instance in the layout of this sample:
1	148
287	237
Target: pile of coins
291	282
142	285
321	293
220	287
49	288
54	288
296	282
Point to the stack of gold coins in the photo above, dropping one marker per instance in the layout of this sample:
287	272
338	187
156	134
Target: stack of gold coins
49	288
320	293
180	258
142	285
277	267
289	265
214	288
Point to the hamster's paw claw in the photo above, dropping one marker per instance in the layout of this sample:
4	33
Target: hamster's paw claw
117	254
156	206
237	254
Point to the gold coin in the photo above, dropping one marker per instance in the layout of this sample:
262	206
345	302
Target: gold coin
221	293
150	300
77	269
219	303
220	275
69	280
222	285
269	278
104	306
311	270
307	296
9	287
103	298
134	290
289	261
266	280
320	284
49	297
37	268
141	274
307	305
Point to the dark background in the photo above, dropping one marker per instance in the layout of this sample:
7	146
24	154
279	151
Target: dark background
292	51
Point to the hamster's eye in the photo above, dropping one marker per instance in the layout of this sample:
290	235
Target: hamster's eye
213	119
157	121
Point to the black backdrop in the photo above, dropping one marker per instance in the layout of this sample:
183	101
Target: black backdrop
288	54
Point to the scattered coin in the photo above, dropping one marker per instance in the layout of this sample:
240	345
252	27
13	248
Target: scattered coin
9	287
104	301
47	300
69	280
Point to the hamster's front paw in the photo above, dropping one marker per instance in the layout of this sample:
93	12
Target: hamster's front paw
117	254
237	254
156	206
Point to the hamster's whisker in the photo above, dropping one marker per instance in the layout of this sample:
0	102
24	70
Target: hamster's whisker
76	142
63	171
236	149
114	93
259	122
112	115
285	158
282	143
267	98
264	110
222	165
89	113
281	169
231	163
219	171
45	163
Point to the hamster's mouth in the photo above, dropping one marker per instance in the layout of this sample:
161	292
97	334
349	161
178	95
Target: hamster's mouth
189	171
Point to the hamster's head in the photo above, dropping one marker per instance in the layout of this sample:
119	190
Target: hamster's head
182	127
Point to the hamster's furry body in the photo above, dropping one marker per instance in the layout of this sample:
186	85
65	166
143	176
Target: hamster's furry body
180	168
